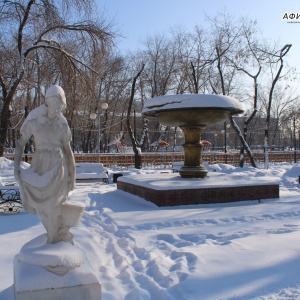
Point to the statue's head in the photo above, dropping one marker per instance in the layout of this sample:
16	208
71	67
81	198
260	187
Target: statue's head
55	91
55	100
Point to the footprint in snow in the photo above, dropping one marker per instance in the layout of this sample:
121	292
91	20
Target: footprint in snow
182	240
190	258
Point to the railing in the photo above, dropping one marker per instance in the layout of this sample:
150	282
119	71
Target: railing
10	200
165	159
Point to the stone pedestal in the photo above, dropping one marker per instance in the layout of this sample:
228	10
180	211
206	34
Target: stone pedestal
172	190
33	282
70	277
193	167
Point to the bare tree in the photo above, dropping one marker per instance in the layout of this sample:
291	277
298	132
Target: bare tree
232	121
162	58
228	49
284	103
276	58
252	59
33	27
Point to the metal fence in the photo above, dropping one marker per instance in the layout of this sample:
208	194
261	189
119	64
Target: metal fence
165	159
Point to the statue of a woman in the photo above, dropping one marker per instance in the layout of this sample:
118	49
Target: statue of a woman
45	185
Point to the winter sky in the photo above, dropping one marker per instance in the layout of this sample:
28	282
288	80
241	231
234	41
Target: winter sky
139	18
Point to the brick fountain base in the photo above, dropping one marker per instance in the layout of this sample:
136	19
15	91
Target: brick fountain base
172	190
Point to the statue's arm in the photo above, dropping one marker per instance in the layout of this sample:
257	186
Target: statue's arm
70	165
18	156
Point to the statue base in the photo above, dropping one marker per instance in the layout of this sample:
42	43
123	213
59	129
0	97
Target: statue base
54	272
33	282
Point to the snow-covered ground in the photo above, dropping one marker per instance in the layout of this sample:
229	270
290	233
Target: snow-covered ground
244	250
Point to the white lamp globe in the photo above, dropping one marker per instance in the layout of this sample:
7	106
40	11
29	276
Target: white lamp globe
104	105
93	116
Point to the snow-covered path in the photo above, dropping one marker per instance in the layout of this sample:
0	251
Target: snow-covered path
211	252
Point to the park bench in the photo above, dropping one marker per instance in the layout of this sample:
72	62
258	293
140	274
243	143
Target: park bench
91	171
10	198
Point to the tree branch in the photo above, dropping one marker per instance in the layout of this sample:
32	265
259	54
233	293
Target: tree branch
22	25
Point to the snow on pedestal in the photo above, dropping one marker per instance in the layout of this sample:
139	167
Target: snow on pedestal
33	281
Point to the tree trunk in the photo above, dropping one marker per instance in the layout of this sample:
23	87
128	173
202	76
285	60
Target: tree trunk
135	145
145	133
247	122
27	144
5	116
244	143
196	89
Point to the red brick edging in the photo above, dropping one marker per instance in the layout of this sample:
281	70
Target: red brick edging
201	195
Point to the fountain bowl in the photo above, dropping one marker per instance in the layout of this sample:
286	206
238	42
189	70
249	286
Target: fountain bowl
203	103
192	113
191	116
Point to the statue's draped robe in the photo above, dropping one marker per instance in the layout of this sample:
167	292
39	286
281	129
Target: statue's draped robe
44	186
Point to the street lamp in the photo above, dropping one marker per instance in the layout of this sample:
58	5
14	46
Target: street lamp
295	144
215	138
93	116
226	126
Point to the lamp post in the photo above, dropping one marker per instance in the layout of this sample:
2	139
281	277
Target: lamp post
295	145
73	138
226	126
215	138
93	116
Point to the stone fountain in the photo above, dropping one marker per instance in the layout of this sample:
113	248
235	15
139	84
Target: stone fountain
192	113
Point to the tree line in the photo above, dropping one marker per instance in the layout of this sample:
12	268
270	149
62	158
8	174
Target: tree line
71	43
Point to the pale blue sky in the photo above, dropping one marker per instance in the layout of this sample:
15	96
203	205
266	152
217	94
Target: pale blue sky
138	18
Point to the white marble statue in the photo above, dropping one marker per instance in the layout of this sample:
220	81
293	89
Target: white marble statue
45	185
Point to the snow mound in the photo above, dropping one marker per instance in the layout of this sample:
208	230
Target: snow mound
6	163
294	172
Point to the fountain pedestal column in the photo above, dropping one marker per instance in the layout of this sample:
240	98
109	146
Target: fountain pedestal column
193	167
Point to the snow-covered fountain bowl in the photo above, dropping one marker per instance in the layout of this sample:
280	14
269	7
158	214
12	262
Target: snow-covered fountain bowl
192	113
